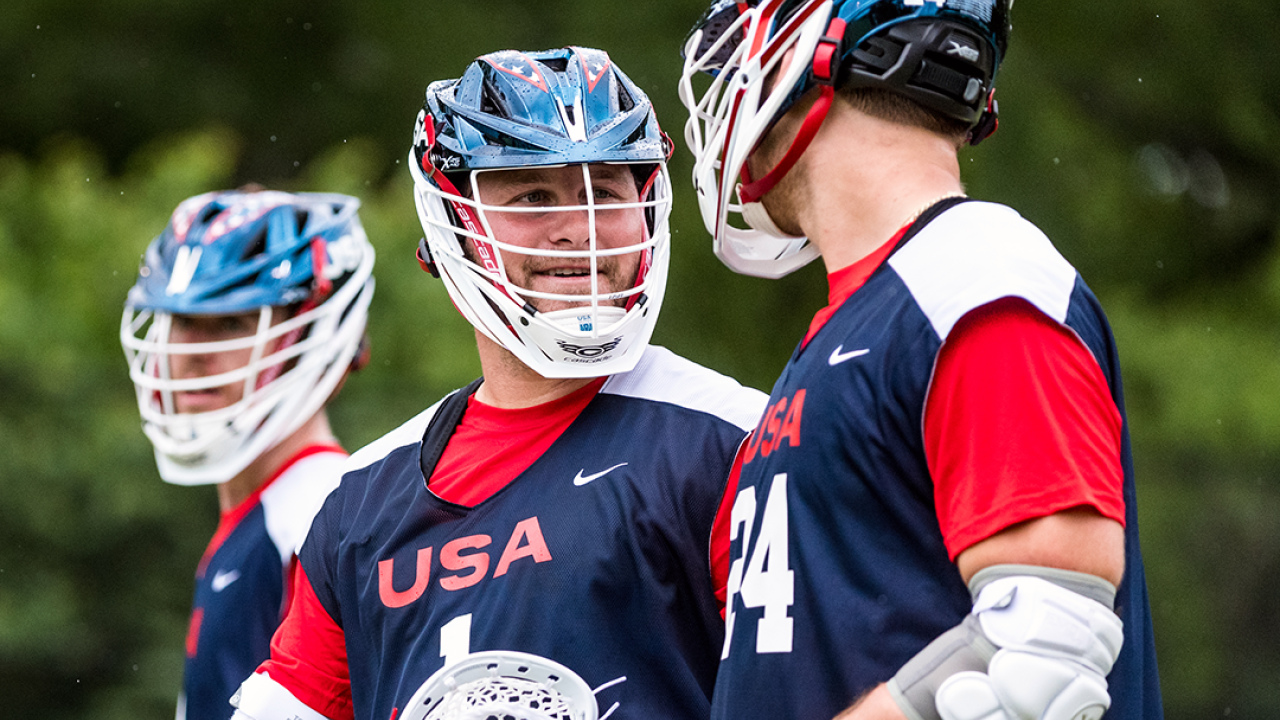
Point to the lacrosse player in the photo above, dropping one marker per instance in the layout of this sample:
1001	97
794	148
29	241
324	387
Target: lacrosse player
560	506
248	313
936	511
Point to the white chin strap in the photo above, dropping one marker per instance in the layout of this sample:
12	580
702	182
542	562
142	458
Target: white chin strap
571	319
757	217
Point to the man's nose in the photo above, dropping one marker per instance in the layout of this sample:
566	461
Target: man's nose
573	227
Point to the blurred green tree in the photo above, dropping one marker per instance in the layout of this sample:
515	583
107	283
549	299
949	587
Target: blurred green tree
1138	135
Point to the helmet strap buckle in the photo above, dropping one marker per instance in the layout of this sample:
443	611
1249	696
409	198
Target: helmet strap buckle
827	56
988	122
425	260
319	254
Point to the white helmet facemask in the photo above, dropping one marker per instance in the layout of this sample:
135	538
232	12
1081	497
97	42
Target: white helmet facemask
940	55
293	368
291	365
613	255
731	115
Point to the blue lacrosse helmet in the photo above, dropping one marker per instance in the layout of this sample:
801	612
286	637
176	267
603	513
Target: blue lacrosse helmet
511	110
941	54
238	252
515	109
229	252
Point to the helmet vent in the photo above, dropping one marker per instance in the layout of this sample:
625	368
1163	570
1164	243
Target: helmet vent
209	213
981	9
258	246
625	101
636	136
492	101
517	143
247	280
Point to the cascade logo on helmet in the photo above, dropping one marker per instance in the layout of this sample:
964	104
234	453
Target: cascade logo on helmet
940	54
590	351
519	167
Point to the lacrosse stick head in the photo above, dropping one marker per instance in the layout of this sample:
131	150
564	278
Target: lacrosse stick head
503	685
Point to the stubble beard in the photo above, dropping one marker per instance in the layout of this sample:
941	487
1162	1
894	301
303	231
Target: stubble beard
522	276
782	200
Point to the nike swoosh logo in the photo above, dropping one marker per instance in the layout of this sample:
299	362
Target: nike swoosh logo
581	479
223	579
838	357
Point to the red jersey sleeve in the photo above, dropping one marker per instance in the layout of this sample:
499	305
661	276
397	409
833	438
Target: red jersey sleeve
722	528
309	654
1019	423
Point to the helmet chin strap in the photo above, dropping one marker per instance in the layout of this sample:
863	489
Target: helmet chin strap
757	217
752	190
825	72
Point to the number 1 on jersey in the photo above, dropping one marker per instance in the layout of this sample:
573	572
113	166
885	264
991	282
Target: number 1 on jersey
455	639
762	577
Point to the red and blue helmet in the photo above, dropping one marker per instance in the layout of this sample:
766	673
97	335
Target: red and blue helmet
512	110
941	54
231	253
556	107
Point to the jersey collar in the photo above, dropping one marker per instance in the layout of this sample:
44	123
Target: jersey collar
843	283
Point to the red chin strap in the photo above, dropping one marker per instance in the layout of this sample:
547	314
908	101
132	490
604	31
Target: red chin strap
826	63
486	251
646	257
320	289
752	190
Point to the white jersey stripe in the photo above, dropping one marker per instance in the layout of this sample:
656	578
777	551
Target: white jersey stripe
978	252
290	503
663	376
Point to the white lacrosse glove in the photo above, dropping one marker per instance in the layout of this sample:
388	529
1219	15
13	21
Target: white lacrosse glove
261	698
1047	639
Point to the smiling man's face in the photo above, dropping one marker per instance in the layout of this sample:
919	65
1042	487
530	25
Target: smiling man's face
521	208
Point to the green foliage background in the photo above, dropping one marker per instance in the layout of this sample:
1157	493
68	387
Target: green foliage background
1139	135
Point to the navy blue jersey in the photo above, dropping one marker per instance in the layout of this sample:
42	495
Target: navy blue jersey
840	574
596	556
240	584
